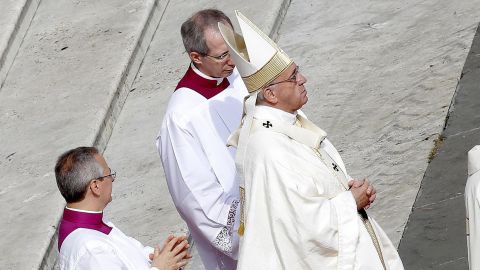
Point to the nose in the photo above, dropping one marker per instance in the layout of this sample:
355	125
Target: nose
230	61
301	79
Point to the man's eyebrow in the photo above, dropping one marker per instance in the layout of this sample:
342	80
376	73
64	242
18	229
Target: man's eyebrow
293	72
223	53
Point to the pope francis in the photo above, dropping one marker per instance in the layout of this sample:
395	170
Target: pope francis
298	210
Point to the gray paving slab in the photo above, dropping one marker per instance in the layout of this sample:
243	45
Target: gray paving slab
381	76
66	82
11	10
435	234
430	232
142	206
15	19
465	110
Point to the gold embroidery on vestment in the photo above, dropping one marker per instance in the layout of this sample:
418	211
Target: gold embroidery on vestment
241	228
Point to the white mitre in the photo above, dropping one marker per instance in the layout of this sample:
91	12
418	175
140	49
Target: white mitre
474	160
258	59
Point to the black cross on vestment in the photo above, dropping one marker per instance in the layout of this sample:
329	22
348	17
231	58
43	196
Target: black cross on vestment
267	124
335	167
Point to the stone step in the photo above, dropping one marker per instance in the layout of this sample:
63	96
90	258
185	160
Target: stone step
14	23
65	88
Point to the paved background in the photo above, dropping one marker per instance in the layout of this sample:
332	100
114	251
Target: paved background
382	75
438	215
14	23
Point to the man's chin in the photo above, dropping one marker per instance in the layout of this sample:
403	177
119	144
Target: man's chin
228	72
306	100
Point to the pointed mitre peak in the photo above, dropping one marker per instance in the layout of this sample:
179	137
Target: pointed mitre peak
474	160
258	59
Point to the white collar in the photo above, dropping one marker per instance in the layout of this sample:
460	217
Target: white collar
84	211
203	75
262	111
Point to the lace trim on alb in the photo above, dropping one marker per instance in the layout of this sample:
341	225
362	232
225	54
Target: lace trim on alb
224	239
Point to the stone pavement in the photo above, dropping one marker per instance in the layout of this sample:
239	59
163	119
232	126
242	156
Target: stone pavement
14	22
435	237
382	75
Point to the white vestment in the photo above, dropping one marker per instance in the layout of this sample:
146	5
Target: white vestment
472	202
299	213
91	249
200	168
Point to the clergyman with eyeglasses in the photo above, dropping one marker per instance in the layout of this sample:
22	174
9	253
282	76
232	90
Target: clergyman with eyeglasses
204	109
85	239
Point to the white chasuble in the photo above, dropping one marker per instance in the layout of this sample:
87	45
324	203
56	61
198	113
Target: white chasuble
200	168
299	213
472	202
85	249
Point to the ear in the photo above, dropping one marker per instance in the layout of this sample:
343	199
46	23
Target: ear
196	57
269	95
95	187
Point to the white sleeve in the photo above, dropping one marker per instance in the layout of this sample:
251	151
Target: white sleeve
194	187
147	250
99	258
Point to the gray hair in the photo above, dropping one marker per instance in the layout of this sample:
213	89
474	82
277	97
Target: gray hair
74	171
193	29
260	97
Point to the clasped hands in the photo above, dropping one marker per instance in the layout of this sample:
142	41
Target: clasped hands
363	192
173	255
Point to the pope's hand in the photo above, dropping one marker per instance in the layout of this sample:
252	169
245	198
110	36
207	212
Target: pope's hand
362	191
371	191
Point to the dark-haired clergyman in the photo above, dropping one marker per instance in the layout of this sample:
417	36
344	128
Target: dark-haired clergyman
85	239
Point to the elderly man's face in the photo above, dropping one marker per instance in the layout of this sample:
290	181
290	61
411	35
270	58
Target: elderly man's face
218	62
289	89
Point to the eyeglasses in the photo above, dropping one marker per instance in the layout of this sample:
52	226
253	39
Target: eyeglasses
221	58
112	174
292	78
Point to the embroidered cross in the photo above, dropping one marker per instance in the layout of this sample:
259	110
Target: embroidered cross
335	167
267	124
